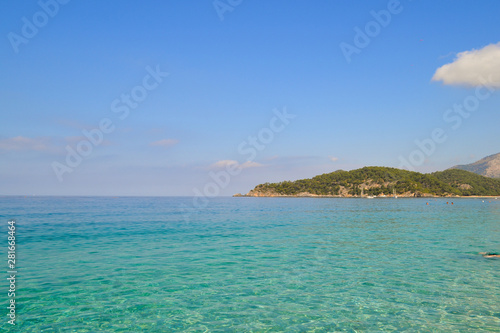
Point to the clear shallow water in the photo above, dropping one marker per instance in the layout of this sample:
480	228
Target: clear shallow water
253	265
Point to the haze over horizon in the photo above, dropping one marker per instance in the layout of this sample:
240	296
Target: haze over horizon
159	98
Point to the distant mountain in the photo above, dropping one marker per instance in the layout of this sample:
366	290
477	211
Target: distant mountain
383	182
488	166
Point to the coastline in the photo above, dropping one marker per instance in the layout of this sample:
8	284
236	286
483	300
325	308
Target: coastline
399	196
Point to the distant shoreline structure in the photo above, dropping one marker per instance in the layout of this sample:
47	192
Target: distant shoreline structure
383	182
400	196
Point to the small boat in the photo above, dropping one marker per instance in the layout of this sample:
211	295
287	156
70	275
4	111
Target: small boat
370	197
394	192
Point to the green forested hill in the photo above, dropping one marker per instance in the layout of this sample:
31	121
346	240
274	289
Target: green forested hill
469	183
385	181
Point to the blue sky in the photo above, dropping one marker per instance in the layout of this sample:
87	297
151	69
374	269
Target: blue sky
227	80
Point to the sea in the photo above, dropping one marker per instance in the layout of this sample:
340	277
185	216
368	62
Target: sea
163	264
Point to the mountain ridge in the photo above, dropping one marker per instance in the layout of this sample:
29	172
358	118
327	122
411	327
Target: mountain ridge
488	166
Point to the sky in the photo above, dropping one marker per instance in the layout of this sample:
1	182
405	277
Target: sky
210	98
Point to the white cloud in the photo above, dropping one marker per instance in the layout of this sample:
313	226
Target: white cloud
23	143
73	140
225	163
164	143
472	68
334	159
249	164
222	164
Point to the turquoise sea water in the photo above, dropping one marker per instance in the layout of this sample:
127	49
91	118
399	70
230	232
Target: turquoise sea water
253	265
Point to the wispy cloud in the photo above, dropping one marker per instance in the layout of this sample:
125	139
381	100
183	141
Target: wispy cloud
225	163
73	140
472	68
22	143
164	143
271	158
